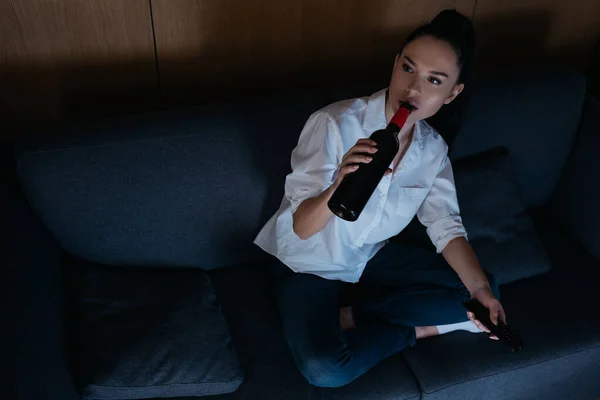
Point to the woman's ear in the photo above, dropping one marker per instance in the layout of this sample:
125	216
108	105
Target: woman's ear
455	92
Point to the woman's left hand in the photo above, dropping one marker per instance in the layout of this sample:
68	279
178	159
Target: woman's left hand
487	298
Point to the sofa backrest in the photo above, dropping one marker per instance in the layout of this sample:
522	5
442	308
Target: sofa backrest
187	188
192	187
575	201
535	115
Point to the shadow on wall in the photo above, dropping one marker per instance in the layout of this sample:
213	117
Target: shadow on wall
511	40
37	96
33	96
310	44
514	40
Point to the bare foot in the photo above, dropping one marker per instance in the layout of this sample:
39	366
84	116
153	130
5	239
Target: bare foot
346	318
426	331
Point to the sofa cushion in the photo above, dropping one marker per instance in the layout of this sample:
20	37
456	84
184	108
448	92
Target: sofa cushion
497	223
535	114
270	372
149	333
499	227
188	188
557	318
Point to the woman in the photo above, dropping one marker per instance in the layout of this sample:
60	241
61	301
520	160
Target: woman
401	293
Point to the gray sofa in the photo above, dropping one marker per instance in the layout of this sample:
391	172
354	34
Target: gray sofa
128	269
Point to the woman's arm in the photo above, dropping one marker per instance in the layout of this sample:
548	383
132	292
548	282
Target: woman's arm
441	215
461	257
312	215
308	186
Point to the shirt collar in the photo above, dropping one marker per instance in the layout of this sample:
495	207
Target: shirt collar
375	114
375	118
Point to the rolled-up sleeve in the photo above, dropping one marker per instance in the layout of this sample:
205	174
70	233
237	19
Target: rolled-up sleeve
314	161
440	212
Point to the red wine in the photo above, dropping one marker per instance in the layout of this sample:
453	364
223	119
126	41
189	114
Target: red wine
355	190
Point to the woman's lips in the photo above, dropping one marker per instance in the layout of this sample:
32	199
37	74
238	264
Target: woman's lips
410	102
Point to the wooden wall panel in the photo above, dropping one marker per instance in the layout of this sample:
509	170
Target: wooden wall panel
210	48
71	59
517	32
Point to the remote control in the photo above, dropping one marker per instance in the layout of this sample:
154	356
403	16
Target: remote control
501	330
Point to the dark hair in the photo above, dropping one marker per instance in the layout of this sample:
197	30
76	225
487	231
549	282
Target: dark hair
457	30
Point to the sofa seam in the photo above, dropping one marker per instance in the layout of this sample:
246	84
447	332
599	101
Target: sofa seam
164	386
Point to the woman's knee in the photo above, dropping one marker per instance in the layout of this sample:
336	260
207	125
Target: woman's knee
325	369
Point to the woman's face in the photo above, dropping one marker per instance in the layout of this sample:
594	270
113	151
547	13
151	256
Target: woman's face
424	75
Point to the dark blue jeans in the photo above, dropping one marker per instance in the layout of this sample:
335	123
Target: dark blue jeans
400	288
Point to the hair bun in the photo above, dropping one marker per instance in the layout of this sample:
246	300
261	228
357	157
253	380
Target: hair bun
454	23
450	17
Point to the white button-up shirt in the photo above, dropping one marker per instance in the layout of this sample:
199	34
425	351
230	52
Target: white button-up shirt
422	185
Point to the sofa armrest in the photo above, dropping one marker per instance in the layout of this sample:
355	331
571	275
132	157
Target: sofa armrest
32	302
575	202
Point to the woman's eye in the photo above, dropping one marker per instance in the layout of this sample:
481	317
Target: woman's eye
435	81
406	68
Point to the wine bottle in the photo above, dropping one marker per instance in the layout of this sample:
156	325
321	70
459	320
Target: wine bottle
355	190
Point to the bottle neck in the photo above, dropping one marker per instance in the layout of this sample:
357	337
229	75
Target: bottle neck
393	128
398	120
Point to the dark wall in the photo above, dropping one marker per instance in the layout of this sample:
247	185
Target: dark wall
67	60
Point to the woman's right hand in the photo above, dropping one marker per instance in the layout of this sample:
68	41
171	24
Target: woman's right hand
358	154
312	214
